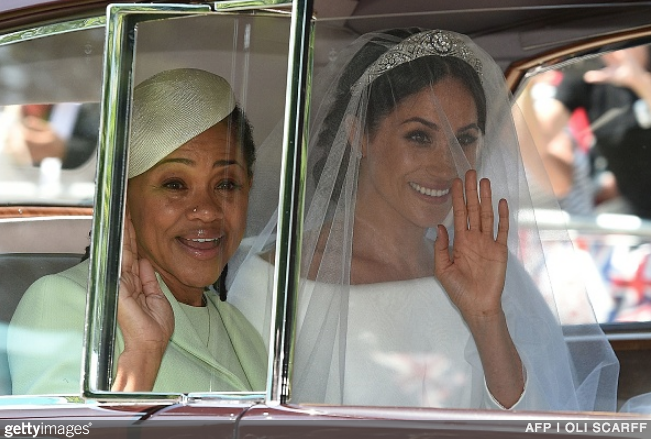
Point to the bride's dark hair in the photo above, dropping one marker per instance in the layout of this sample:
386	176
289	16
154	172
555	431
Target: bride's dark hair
349	77
388	90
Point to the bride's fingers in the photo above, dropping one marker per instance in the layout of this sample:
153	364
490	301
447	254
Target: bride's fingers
503	223
487	216
441	250
472	200
459	207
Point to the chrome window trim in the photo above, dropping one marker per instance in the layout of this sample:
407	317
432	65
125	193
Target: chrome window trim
291	202
101	307
53	29
243	5
111	189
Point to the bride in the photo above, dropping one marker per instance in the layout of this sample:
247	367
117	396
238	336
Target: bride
413	291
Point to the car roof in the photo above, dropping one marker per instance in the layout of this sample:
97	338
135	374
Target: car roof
508	29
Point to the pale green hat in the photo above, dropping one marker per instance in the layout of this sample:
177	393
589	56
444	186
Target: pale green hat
172	107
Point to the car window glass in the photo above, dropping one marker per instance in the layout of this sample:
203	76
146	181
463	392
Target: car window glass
593	131
347	335
250	53
50	85
49	118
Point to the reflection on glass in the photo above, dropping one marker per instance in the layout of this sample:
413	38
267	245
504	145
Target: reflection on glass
49	117
47	152
33	133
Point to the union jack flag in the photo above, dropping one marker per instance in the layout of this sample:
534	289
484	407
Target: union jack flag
625	268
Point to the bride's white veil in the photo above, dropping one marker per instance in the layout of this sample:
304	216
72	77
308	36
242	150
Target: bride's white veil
342	355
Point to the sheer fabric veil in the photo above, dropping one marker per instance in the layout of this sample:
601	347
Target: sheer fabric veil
395	339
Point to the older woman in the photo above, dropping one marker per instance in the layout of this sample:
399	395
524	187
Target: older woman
190	172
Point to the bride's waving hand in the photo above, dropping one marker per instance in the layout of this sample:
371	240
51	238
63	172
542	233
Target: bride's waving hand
473	275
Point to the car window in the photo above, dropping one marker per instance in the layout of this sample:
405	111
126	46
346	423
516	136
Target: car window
596	170
250	53
49	117
594	128
56	86
329	366
50	83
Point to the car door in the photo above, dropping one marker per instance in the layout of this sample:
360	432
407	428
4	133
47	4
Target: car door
97	59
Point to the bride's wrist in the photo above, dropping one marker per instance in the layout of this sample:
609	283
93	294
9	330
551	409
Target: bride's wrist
481	322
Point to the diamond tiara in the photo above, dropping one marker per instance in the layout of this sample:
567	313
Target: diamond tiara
433	42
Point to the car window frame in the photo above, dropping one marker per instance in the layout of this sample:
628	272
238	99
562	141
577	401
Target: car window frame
278	390
622	335
68	176
101	317
38	220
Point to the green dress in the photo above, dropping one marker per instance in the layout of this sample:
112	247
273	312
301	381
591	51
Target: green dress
213	348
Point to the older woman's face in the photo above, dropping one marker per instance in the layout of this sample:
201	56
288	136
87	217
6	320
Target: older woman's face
189	210
411	160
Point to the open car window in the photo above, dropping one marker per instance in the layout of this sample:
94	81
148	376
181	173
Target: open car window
49	112
591	132
595	165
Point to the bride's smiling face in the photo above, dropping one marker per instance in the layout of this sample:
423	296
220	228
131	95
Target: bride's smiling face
410	160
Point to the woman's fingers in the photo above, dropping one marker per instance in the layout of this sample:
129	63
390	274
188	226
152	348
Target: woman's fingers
127	251
472	201
441	249
487	217
503	223
468	212
474	210
150	285
459	207
133	246
130	283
